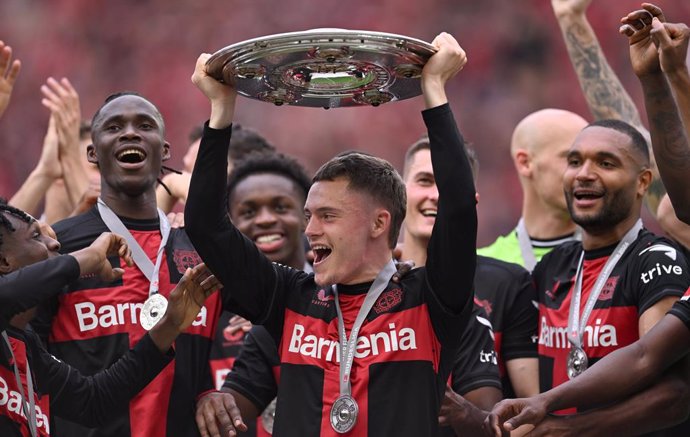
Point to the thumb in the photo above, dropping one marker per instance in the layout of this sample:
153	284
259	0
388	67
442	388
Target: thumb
659	34
521	419
117	273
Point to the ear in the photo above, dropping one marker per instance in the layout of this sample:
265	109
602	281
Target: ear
5	264
523	163
166	151
381	223
476	197
643	181
91	155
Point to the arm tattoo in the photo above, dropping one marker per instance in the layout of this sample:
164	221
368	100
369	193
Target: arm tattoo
603	91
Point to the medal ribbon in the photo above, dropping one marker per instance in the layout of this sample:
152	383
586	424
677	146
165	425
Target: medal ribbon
576	326
525	243
347	346
115	225
28	405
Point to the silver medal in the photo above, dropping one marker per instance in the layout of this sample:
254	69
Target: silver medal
268	416
344	414
577	362
152	311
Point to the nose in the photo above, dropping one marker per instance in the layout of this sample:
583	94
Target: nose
52	244
265	217
585	172
313	229
433	194
129	131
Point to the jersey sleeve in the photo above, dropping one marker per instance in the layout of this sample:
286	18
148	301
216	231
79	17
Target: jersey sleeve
252	372
476	365
681	309
661	270
521	321
27	287
451	253
91	400
251	283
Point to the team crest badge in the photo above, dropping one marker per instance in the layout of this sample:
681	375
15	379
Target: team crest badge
608	289
388	300
186	259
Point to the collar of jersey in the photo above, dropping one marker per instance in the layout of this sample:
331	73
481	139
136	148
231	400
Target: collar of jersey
354	289
151	224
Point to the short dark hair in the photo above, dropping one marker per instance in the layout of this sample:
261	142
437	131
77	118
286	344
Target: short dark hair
245	141
423	144
117	95
275	163
84	129
636	138
15	212
374	176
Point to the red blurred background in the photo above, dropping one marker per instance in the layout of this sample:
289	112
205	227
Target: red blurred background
517	64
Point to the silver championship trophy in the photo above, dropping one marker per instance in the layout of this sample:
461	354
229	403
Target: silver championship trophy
327	68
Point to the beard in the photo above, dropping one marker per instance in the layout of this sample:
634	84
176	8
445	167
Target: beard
616	207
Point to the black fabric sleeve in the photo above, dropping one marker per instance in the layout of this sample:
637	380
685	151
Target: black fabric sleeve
91	400
521	322
252	371
27	287
249	278
476	365
451	253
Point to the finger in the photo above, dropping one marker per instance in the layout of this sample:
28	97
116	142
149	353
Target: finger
235	414
201	423
50	94
71	92
58	89
655	11
14	72
659	34
210	419
117	273
626	30
5	56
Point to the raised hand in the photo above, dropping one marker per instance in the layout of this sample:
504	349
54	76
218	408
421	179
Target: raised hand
448	60
637	26
187	298
671	41
222	96
63	102
49	162
93	260
9	70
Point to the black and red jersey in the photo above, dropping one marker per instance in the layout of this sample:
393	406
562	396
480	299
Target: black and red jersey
257	367
408	343
58	388
92	323
650	269
506	292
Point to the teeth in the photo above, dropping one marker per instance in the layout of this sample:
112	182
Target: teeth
429	212
135	152
319	247
268	238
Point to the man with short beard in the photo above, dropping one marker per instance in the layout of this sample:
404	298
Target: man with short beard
605	292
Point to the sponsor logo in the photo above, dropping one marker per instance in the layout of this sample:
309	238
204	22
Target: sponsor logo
322	299
185	259
608	288
488	357
233	336
551	294
373	344
686	296
660	270
90	316
12	400
388	300
667	250
486	322
594	336
485	304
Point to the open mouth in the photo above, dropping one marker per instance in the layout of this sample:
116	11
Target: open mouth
269	242
428	212
131	155
321	252
587	194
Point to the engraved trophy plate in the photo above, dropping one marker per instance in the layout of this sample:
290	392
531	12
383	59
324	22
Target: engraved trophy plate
344	414
327	68
577	362
152	311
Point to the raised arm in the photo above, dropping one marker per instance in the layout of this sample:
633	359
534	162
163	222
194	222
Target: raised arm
9	70
455	230
601	87
657	52
248	276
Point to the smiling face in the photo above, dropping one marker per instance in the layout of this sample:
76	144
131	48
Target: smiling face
268	208
605	179
341	228
422	195
128	145
27	245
